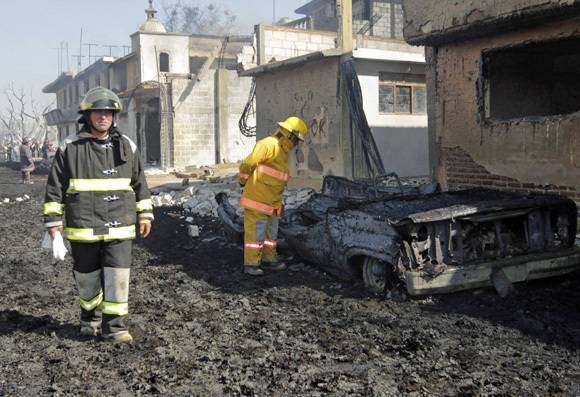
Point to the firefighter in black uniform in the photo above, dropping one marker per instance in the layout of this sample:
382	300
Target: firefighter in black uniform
97	181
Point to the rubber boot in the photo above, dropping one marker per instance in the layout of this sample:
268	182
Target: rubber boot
253	270
120	339
273	265
27	179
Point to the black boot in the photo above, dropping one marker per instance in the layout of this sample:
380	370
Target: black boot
253	270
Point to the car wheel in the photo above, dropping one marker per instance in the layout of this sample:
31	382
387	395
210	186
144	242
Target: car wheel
376	274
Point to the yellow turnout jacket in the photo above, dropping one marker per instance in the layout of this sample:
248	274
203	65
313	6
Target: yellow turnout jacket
265	173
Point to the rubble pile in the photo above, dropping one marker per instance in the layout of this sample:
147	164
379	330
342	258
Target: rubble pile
199	197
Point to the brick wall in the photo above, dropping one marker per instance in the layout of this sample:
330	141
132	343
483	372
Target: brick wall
193	124
278	44
464	173
195	127
283	43
389	22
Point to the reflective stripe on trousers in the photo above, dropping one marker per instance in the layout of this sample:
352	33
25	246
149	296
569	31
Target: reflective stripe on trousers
260	237
102	271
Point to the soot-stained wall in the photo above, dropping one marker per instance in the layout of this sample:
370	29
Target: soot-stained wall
480	132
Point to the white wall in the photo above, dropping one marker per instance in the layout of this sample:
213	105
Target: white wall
176	45
402	140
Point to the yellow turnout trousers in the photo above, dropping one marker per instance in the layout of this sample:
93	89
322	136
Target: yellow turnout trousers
260	237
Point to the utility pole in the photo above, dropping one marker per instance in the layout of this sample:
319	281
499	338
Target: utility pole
59	59
78	57
79	65
90	45
110	48
61	54
345	23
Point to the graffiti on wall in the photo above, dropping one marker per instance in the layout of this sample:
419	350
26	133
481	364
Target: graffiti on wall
318	127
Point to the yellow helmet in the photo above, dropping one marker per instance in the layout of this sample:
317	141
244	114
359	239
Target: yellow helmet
295	126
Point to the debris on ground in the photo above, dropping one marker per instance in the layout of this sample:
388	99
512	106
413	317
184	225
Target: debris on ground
203	327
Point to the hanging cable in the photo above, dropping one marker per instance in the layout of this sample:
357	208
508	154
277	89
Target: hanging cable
249	112
222	53
372	155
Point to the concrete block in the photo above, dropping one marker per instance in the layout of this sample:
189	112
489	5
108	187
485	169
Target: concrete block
312	47
193	230
315	38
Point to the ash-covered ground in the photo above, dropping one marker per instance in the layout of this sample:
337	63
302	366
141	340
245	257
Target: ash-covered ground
203	327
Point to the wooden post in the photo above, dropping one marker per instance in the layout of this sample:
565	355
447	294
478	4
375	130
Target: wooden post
344	8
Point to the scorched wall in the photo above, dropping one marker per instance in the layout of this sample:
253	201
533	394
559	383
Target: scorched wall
469	148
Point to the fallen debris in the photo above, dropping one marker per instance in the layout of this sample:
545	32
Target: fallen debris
501	282
193	231
200	197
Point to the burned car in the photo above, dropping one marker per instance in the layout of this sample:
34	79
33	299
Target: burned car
432	241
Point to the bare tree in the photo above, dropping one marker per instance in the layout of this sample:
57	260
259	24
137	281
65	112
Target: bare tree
22	116
182	16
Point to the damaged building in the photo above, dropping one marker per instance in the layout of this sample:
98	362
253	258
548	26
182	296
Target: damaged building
181	93
503	101
360	88
502	110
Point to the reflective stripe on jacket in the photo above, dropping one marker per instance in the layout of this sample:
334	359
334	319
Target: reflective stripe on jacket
99	187
265	174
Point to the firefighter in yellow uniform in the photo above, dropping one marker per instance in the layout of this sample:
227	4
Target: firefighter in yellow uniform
265	173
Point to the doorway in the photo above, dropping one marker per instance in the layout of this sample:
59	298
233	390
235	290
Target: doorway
152	131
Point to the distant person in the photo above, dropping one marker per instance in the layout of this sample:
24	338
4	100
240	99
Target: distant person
97	179
45	150
264	175
15	152
8	149
26	162
34	148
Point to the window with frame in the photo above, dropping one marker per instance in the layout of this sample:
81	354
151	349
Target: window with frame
402	93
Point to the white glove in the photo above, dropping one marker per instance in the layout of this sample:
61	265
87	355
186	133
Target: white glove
58	248
57	245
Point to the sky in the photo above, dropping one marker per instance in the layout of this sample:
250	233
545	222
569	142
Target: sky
34	33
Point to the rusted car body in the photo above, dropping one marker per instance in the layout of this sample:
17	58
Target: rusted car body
435	242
